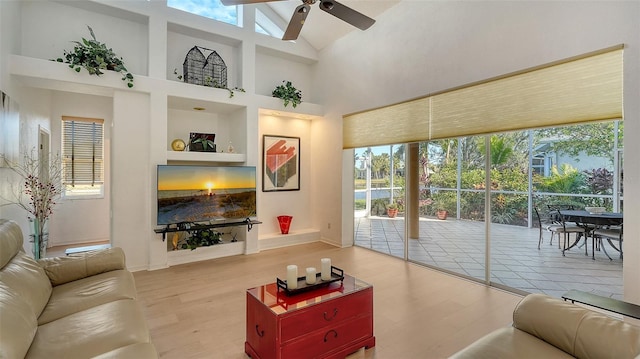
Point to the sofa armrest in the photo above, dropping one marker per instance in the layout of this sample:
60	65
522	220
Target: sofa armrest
62	270
576	330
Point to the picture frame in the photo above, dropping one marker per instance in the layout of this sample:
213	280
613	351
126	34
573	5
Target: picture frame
280	163
202	142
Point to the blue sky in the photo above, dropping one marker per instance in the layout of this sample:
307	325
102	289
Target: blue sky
212	9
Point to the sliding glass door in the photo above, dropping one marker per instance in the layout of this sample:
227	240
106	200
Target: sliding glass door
440	190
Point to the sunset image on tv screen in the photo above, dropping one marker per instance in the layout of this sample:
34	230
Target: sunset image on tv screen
191	194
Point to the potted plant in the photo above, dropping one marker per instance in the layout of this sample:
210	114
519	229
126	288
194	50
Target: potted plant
443	203
95	57
392	210
288	93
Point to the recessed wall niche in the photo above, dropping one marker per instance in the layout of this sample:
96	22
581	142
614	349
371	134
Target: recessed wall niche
182	39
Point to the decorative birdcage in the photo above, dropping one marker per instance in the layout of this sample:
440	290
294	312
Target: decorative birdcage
205	71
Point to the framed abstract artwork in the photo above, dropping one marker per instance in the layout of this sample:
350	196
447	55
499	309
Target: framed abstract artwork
280	163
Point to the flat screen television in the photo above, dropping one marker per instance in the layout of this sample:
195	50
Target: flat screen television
204	194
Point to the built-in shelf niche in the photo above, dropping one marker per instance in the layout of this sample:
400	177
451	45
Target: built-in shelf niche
181	38
227	121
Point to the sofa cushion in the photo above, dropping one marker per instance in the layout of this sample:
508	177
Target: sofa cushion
508	343
142	350
81	265
88	292
91	332
18	324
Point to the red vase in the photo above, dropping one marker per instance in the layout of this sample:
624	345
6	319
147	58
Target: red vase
285	222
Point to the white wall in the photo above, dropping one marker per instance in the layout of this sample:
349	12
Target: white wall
416	48
130	172
272	71
81	220
48	28
293	203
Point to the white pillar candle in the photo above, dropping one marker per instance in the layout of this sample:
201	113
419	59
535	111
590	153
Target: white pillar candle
325	272
292	276
311	275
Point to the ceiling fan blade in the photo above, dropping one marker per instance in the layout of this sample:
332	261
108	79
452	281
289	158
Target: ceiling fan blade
243	2
297	20
347	14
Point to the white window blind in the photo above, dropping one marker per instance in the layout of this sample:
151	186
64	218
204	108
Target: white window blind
581	89
82	151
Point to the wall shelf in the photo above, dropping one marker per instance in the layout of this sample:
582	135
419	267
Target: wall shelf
205	156
194	227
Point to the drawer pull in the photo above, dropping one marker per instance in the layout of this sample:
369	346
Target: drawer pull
335	334
335	312
260	332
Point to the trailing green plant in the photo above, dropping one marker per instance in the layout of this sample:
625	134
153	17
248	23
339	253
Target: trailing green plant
288	93
202	238
95	56
210	82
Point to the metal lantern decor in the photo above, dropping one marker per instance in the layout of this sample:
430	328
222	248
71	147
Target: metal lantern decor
206	71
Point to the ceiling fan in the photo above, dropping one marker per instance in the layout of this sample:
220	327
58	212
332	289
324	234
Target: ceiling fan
333	7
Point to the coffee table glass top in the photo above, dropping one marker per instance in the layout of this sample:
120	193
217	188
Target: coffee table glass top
279	302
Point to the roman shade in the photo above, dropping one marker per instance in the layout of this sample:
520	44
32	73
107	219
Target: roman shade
580	89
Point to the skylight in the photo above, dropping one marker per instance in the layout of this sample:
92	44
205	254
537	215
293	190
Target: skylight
212	9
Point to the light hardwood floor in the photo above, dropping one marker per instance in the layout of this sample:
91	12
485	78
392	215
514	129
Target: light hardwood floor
197	310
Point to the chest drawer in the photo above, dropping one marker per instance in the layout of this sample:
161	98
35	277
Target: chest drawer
326	314
330	339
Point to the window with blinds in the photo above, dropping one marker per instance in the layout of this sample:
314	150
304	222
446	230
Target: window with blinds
82	157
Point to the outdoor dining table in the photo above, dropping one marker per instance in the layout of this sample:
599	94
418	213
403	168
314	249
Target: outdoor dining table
590	221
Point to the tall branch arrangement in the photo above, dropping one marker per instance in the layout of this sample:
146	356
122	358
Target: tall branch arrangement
36	195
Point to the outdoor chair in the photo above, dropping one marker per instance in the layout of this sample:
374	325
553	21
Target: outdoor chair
548	223
613	233
566	229
553	222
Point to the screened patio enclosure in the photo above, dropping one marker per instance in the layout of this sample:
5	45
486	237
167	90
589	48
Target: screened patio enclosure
528	169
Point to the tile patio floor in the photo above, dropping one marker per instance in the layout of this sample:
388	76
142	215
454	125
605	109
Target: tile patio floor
458	246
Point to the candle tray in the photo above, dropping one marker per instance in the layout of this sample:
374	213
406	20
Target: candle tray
337	274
